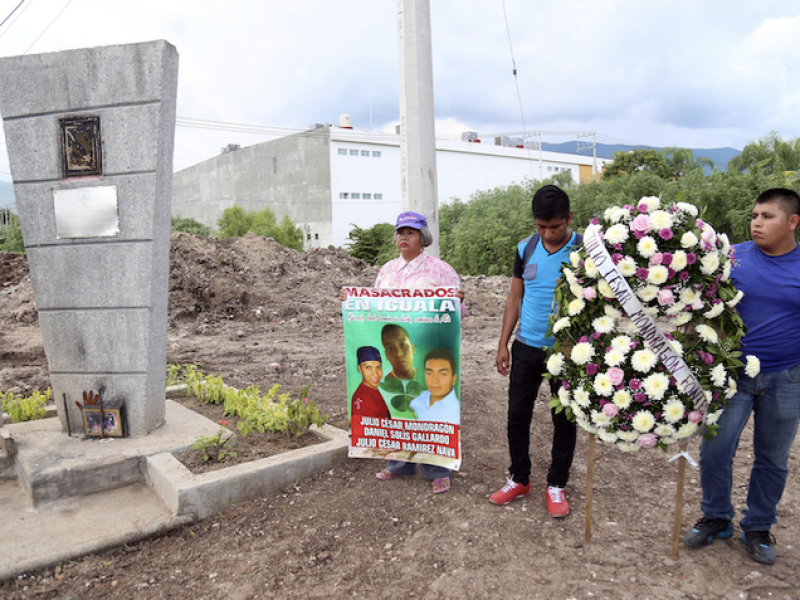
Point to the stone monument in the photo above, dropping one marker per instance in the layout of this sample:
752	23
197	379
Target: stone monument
90	138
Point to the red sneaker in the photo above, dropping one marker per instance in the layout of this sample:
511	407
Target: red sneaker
557	504
509	492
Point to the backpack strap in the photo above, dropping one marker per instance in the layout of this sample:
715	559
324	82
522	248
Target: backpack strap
529	248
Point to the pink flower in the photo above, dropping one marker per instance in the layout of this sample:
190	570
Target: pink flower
589	293
666	297
610	410
666	259
647	440
591	369
643	208
641	224
305	400
634	384
691	258
616	375
583	339
699	223
665	234
656	259
642	273
709	236
695	416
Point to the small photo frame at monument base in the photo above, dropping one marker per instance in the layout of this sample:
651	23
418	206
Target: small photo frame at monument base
108	422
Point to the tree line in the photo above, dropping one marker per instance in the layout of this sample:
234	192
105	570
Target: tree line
478	236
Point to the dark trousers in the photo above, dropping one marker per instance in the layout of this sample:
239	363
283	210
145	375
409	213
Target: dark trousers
527	370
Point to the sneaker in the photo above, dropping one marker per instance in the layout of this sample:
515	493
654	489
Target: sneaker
706	531
557	502
509	492
760	546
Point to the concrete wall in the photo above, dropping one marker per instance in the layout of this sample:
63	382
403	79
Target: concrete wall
102	300
291	176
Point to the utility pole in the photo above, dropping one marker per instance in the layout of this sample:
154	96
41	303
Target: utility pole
417	133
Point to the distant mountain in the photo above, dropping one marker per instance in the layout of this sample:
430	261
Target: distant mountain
720	156
6	193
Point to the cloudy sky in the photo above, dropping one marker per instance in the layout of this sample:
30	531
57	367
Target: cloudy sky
686	73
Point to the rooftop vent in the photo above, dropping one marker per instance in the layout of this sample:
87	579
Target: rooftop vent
345	122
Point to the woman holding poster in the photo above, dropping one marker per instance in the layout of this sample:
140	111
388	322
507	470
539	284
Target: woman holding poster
413	270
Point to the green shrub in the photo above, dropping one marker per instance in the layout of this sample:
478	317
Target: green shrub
190	226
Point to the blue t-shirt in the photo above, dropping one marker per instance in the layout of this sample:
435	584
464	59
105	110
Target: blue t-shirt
539	277
771	305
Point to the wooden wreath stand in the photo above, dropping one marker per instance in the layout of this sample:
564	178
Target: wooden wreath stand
676	524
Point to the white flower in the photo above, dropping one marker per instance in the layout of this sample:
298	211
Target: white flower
686	430
648	293
731	391
604	324
582	398
726	271
622	399
621	343
583	423
707	333
736	299
590	268
652	203
690	209
574	259
660	219
612	312
615	214
627	266
682	319
689	295
656	385
560	324
688	240
576	307
643	421
614	357
628	436
678	260
664	429
657	274
607	436
604	289
715	311
647	247
570	276
712	418
600	419
709	263
753	366
673	412
652	311
677	346
718	375
617	234
555	363
643	360
674	309
603	385
576	289
563	396
629	447
582	353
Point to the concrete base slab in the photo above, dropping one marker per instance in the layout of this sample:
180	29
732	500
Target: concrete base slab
40	537
52	466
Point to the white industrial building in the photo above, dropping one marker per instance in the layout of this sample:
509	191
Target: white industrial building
329	178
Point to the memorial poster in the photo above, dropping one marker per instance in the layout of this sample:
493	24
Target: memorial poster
403	351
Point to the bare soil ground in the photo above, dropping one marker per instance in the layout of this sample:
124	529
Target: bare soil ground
255	313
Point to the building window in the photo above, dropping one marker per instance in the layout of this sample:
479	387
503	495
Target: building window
365	153
367	196
549	168
353	152
309	237
378	196
342	151
376	154
356	196
343	195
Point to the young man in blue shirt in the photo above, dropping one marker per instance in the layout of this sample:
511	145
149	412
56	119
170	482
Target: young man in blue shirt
767	271
530	301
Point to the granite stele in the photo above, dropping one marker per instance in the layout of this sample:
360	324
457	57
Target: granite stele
90	136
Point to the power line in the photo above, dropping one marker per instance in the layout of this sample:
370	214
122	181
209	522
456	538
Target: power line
48	26
12	12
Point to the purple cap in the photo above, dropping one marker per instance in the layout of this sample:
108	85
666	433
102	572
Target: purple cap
412	220
366	353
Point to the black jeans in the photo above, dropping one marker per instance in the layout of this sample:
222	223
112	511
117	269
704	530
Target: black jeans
527	370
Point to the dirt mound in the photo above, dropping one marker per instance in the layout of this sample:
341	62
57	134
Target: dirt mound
255	278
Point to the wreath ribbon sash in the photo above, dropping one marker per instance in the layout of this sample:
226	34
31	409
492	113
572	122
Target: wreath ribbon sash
646	325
